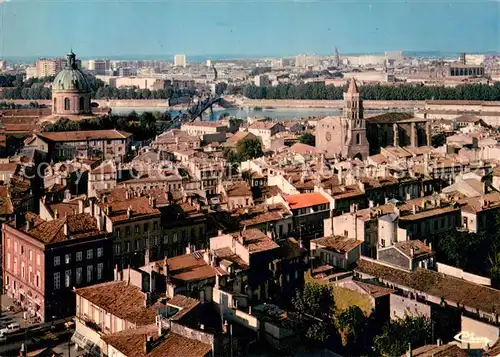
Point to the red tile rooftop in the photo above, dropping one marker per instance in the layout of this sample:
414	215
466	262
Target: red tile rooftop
190	267
304	200
338	244
84	135
123	300
130	343
255	241
449	288
140	208
79	226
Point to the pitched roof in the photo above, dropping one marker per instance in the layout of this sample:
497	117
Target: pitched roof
438	351
255	241
123	300
300	148
303	200
80	225
436	284
140	208
189	267
353	87
420	249
131	343
84	135
337	244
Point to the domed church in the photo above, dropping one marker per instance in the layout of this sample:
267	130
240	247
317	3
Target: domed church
71	90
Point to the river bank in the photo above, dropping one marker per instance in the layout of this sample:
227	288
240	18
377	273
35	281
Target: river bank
162	104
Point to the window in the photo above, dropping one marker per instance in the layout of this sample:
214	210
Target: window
137	244
146	243
66	104
82	103
100	252
22	250
146	227
89	273
37	279
165	239
79	256
8	261
127	231
67	278
155	225
116	248
127	246
118	231
30	275
78	275
57	281
15	247
90	254
67	258
100	267
23	273
57	260
136	228
174	237
31	255
358	139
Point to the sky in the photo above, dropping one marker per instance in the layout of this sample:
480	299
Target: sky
99	28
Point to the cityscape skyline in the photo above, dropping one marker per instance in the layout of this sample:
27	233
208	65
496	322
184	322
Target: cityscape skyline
247	29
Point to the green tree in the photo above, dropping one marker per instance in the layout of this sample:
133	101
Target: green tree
249	149
147	121
308	139
231	156
397	334
351	324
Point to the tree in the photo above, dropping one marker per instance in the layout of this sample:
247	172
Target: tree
397	334
315	300
351	324
249	149
231	156
147	121
308	139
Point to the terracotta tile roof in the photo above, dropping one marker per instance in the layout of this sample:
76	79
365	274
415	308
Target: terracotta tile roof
261	213
348	191
263	125
239	189
438	351
105	168
227	254
290	249
6	207
123	300
378	159
300	148
493	351
211	124
131	343
9	167
189	267
84	135
480	203
373	290
304	200
255	241
80	225
420	249
337	244
140	206
240	135
439	285
64	208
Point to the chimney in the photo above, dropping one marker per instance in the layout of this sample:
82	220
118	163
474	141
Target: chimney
92	207
66	228
412	252
23	351
371	204
207	257
439	342
408	196
146	256
109	210
146	299
430	246
414	208
188	249
152	202
127	195
408	353
80	206
386	200
115	271
147	345
129	212
56	214
219	232
29	224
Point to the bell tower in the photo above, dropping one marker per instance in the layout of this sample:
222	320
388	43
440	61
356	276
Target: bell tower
355	141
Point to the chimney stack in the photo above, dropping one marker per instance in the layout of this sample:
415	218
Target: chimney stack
29	224
412	252
115	271
146	299
80	206
66	228
409	352
129	212
56	214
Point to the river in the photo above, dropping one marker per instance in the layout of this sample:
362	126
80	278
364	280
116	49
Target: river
283	113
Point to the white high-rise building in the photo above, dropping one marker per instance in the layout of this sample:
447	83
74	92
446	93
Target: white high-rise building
303	61
98	66
180	61
3	65
209	63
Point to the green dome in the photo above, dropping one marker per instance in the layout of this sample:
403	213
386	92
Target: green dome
71	78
